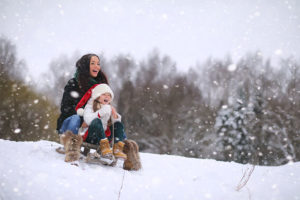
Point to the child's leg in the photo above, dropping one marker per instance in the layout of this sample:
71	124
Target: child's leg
96	135
95	132
119	133
119	136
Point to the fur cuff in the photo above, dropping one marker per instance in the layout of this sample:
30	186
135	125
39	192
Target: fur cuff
80	111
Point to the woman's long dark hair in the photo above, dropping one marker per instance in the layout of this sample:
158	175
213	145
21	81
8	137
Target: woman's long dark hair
83	70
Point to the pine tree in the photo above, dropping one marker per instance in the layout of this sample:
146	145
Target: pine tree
234	141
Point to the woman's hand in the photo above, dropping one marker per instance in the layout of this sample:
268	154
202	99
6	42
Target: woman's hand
114	112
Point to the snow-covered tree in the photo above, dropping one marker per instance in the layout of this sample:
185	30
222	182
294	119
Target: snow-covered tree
234	141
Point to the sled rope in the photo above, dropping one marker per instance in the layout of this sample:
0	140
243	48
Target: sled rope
113	132
121	185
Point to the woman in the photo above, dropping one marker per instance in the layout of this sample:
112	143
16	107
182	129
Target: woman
88	73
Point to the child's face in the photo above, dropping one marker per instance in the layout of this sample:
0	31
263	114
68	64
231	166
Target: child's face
94	66
105	98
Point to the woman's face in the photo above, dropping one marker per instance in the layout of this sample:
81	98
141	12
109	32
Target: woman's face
94	66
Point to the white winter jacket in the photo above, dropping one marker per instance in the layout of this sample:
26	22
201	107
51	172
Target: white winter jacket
104	113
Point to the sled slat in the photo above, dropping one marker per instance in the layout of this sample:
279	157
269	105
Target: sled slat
87	147
91	146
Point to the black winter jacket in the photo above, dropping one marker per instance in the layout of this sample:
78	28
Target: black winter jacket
70	99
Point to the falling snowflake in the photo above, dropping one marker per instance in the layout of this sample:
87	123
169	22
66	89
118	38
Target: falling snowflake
208	196
216	83
66	74
28	79
165	16
231	67
17	130
74	94
224	106
278	52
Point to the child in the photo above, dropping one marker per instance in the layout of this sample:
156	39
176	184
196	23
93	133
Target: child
99	116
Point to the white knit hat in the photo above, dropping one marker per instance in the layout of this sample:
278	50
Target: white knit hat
101	89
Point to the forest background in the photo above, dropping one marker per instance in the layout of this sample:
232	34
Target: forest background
246	111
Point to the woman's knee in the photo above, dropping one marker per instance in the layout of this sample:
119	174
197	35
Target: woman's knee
75	120
71	123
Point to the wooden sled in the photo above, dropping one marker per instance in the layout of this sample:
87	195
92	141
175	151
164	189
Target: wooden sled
131	150
87	147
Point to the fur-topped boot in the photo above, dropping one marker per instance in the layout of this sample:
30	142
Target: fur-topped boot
72	145
131	149
118	150
105	150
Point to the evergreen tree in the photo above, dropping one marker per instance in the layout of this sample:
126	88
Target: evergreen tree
234	141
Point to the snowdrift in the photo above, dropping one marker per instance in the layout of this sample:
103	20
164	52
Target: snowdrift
34	170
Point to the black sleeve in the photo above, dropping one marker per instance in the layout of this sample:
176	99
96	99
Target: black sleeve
69	101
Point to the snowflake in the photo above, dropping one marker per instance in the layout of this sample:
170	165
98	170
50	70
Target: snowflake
231	67
74	94
278	52
17	130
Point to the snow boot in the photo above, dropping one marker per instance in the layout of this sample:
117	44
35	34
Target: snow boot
118	150
72	145
106	152
133	161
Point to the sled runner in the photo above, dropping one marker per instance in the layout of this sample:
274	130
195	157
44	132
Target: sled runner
95	157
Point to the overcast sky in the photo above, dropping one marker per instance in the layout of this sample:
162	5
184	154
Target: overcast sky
189	31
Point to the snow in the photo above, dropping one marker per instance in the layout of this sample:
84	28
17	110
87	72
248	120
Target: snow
34	170
232	67
278	52
17	130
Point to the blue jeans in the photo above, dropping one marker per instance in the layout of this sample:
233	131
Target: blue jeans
72	123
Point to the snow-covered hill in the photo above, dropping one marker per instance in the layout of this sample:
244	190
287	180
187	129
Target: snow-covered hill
33	170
